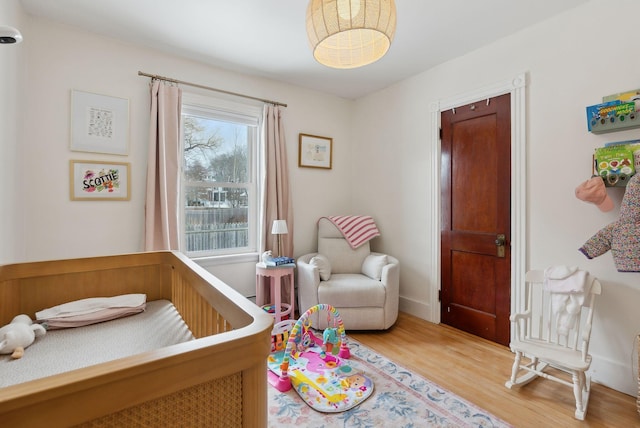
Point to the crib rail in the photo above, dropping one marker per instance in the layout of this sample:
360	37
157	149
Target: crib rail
225	364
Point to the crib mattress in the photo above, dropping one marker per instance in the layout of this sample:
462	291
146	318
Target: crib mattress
64	350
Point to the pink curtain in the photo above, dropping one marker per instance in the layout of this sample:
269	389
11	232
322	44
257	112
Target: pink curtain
277	198
278	204
163	183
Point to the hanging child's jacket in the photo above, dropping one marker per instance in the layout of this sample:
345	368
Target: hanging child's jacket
622	236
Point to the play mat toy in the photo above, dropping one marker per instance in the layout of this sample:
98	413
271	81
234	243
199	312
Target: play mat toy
317	367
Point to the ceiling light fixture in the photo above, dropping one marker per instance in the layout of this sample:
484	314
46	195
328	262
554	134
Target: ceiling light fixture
350	33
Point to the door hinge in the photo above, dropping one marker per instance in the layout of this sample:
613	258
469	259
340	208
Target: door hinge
439	295
441	133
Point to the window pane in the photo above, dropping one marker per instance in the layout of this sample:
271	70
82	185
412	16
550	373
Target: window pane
215	150
218	189
218	222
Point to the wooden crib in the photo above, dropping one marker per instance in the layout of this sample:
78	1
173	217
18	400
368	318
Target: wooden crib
219	379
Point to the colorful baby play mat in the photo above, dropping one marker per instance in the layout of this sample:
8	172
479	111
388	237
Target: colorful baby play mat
330	384
317	367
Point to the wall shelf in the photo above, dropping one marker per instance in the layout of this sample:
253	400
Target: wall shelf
615	123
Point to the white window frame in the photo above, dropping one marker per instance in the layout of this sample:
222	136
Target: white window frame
249	114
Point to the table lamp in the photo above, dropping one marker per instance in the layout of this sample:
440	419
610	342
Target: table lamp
279	228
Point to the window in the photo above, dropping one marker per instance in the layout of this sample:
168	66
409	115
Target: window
220	189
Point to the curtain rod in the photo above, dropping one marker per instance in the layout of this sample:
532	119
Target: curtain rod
195	85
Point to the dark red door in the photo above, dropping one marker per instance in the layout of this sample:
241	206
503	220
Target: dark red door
476	225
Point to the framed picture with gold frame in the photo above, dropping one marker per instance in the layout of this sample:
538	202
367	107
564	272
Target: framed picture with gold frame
315	151
99	181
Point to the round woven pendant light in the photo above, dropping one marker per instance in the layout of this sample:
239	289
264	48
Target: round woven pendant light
350	33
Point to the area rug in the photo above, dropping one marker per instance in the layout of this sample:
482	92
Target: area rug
401	399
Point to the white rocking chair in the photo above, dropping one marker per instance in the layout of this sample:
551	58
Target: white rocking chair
537	337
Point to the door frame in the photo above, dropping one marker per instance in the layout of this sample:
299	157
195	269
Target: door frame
517	88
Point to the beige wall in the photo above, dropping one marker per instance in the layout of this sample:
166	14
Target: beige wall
59	228
569	65
11	108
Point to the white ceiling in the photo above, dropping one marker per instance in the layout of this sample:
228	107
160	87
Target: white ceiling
268	37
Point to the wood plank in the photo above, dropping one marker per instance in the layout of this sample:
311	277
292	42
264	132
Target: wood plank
476	370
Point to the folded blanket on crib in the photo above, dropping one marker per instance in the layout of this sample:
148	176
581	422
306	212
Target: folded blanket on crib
90	311
569	287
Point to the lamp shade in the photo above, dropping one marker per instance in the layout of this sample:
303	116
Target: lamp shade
279	227
350	33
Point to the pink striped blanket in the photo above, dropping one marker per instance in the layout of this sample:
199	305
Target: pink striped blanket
357	229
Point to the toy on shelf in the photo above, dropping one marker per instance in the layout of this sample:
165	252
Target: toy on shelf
317	367
615	164
612	116
617	112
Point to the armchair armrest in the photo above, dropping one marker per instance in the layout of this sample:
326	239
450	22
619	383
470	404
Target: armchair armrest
390	278
391	271
308	282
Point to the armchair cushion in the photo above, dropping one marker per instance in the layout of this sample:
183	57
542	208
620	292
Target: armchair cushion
323	264
352	290
372	266
342	257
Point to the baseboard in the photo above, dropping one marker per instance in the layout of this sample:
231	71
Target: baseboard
614	375
415	308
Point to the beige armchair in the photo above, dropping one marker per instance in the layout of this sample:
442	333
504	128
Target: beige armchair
362	285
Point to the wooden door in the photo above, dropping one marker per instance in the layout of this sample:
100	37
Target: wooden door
476	225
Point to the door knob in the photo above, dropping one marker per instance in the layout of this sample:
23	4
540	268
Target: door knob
501	240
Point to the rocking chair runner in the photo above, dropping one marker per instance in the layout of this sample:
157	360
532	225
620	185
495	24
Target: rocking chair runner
548	344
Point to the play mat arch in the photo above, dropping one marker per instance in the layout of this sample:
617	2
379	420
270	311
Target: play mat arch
317	367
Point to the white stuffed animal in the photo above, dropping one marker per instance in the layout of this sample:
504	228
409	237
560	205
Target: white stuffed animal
266	256
19	334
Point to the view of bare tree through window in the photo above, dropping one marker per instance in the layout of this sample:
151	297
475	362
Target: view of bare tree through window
217	182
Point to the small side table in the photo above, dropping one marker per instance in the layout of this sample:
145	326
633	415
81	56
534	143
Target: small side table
273	276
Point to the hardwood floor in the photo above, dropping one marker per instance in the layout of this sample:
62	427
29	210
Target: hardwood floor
477	369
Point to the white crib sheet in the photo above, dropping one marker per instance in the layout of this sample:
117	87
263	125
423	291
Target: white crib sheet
60	351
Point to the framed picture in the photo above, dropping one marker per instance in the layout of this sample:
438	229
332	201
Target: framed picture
99	124
315	151
100	181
